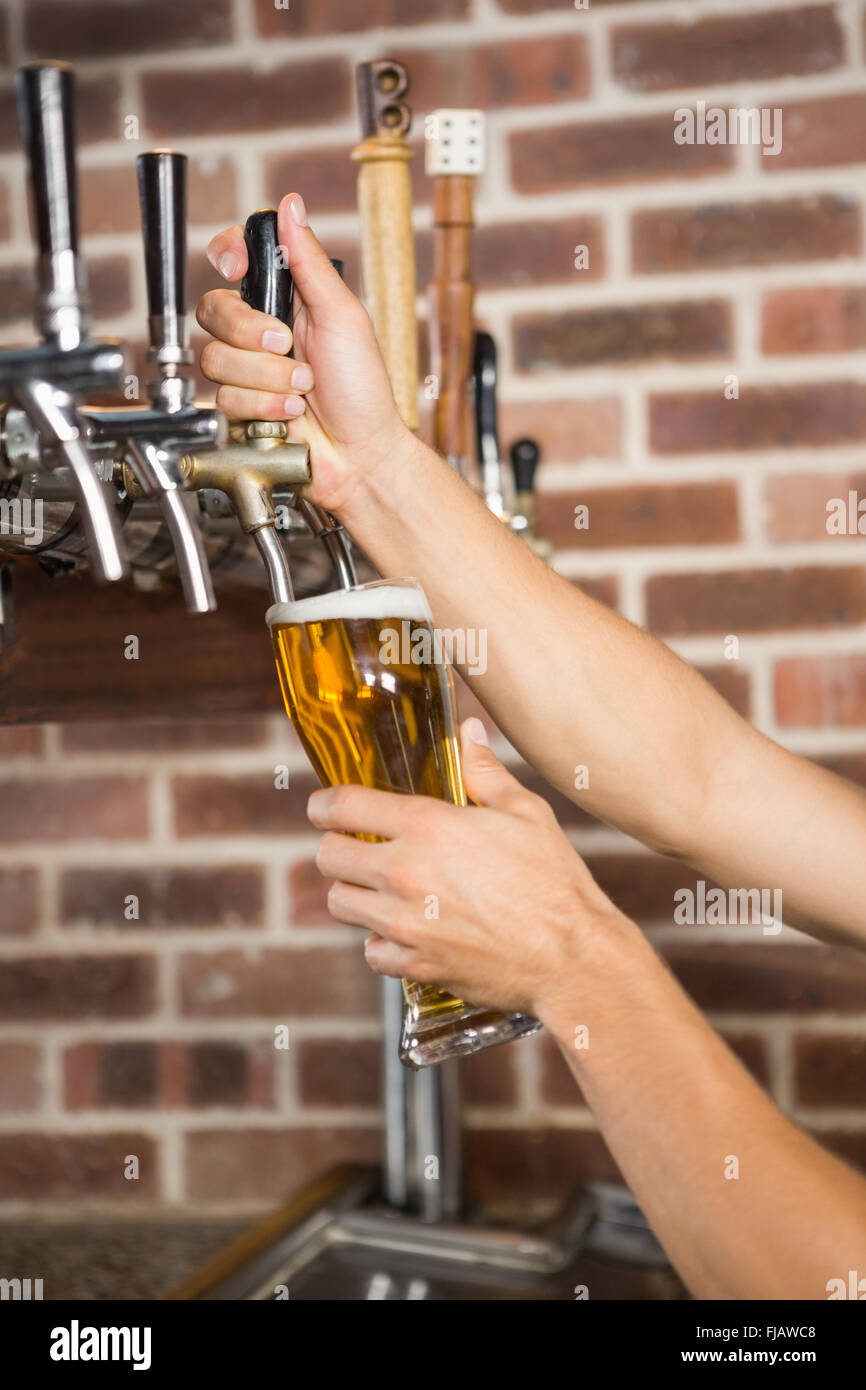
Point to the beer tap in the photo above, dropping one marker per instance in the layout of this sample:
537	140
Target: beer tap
261	460
44	384
155	440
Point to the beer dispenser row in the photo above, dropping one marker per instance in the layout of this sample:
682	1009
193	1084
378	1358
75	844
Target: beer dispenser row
159	487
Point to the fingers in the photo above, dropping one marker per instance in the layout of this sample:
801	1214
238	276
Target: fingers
342	857
361	810
387	958
487	781
240	404
263	371
227	253
224	315
317	281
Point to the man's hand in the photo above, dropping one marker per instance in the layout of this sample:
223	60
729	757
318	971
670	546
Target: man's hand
490	901
335	393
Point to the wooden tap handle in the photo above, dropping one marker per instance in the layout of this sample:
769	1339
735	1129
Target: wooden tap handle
387	236
451	298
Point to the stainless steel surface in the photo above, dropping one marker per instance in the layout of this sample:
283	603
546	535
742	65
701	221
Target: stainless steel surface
276	564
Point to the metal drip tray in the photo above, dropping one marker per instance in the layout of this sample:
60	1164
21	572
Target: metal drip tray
336	1242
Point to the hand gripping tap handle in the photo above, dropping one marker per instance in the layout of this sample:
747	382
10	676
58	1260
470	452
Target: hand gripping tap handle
45	106
267	285
162	194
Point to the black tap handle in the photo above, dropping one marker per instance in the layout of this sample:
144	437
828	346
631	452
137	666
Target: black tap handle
46	112
525	454
162	194
484	373
267	284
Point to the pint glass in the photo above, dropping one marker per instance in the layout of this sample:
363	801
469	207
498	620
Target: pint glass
370	694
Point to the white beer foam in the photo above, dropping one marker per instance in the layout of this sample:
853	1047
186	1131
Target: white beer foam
379	602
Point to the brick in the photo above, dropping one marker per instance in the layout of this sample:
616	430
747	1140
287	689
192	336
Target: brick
169	736
269	1164
110	286
308	894
97	113
831	1071
537	1164
134	1074
644	515
523	72
733	685
642	885
818	134
5	204
766	417
60	809
740	48
218	896
83	29
339	1072
109	195
248	804
76	987
514	255
751	1049
636	333
20	1076
797	506
308	17
234	100
278	984
824	318
21	741
627	149
756	600
55	1167
327	178
19	901
816	692
534	6
489	1078
770	979
820	228
566	431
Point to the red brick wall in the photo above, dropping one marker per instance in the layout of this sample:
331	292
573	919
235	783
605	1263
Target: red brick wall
707	519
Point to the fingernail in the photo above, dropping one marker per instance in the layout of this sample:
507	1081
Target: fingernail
293	405
274	340
476	732
302	377
317	805
298	211
227	265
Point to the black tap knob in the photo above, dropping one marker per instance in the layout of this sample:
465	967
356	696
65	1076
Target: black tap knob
162	194
484	374
524	454
268	283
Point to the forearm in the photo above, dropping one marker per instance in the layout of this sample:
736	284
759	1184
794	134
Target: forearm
569	682
745	1205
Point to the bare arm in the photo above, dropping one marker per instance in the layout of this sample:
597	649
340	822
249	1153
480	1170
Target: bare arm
568	681
745	1205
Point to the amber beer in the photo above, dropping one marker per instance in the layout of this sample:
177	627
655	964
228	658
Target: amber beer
372	699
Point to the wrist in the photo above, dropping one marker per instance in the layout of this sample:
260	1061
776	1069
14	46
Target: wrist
608	958
385	478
